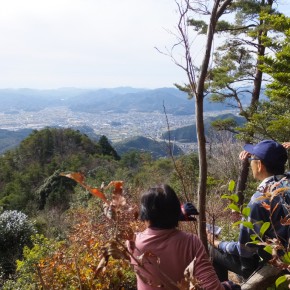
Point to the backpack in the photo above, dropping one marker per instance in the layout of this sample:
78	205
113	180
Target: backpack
280	196
281	186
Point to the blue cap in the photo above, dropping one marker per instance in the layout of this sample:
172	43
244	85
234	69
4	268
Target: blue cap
269	151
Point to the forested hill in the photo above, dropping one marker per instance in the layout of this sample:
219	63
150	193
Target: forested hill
188	133
29	173
42	155
9	139
139	143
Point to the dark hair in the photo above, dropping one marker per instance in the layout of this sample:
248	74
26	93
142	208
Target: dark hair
161	207
275	169
272	168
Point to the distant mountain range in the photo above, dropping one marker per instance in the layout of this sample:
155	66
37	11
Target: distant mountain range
115	100
10	139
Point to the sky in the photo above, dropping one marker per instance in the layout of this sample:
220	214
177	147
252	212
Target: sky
48	44
87	43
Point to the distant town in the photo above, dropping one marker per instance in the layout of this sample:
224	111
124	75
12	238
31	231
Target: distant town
119	113
116	126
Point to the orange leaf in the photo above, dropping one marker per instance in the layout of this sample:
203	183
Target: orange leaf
97	193
76	176
118	186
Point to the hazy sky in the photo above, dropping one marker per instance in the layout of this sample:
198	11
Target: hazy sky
87	43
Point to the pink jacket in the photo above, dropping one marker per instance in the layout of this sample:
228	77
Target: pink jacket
175	250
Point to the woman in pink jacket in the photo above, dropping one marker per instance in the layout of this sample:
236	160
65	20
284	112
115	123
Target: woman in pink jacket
164	251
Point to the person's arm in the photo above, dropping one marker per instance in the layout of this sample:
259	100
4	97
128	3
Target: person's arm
224	246
286	145
241	248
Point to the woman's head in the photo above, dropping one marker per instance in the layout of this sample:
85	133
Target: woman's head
161	207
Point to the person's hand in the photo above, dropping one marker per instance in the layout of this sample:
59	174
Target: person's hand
188	210
229	285
212	239
244	155
286	145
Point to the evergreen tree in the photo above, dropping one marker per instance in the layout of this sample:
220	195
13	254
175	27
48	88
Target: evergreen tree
272	119
107	149
236	74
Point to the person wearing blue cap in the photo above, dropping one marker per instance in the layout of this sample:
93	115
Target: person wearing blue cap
267	160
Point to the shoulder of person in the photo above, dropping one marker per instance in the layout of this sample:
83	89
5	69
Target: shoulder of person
257	198
185	235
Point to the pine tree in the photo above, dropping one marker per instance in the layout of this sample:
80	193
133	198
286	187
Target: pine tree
272	119
107	149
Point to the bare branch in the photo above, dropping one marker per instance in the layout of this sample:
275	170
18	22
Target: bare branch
172	156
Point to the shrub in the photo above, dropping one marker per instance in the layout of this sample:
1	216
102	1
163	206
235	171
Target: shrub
15	232
28	271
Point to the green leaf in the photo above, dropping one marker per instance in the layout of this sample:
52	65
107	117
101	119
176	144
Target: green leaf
235	198
268	249
253	237
286	258
231	186
237	223
264	228
246	211
248	225
232	197
254	242
280	280
234	207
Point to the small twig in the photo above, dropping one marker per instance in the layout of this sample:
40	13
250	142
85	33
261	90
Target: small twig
78	273
40	278
172	156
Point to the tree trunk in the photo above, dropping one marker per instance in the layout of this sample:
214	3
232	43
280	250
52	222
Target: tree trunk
262	279
217	10
242	181
202	170
197	89
199	99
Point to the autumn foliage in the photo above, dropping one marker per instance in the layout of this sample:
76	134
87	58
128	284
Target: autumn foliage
94	255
